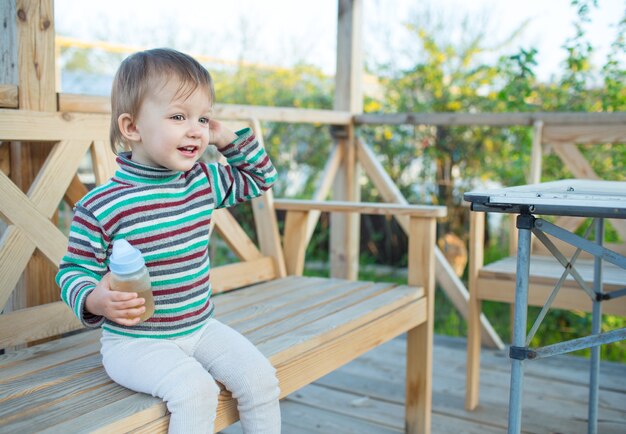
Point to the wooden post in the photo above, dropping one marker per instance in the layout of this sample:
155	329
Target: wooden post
344	237
265	218
33	24
534	177
8	44
419	364
472	378
8	76
295	243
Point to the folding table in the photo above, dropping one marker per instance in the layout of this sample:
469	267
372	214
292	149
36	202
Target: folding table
574	197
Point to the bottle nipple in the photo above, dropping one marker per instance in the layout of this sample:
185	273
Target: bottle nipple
125	259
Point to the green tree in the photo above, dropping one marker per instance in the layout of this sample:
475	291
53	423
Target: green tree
300	149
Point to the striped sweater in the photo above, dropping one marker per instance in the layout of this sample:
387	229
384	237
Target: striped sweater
166	215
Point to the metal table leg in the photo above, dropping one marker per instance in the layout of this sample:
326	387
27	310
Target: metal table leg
525	223
592	427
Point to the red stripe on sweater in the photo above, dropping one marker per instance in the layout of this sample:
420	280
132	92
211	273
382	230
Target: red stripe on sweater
104	193
178	259
88	225
82	253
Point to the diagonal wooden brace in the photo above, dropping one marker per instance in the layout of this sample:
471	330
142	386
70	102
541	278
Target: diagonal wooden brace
24	213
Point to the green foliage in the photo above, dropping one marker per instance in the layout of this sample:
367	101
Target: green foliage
298	150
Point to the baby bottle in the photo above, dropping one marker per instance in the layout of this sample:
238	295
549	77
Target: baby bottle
129	274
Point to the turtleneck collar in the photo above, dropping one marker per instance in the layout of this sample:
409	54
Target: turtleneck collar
131	172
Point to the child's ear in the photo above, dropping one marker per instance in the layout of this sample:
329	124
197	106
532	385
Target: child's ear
128	128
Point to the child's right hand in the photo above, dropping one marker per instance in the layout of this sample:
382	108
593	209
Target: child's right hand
123	308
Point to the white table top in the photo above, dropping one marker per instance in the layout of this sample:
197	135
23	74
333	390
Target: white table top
577	197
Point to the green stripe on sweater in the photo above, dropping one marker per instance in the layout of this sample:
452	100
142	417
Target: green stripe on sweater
182	308
150	334
161	197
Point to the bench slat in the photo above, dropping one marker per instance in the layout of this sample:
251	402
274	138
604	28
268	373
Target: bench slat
263	293
312	335
47	354
48	377
46	395
298	317
264	314
67	410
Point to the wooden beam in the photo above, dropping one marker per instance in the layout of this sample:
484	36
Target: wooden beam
35	32
227	277
8	96
298	233
476	260
575	161
234	236
102	104
345	229
73	102
580	134
103	161
536	153
349	75
372	208
75	191
295	245
34	25
5	159
490	119
40	322
419	363
18	125
21	212
8	55
265	219
20	240
283	114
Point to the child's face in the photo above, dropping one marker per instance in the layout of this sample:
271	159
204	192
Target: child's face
173	130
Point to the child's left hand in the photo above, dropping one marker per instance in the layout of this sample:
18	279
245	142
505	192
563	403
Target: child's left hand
220	135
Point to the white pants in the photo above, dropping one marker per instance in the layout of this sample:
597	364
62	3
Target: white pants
183	372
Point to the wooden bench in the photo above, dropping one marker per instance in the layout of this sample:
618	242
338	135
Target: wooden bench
306	326
496	281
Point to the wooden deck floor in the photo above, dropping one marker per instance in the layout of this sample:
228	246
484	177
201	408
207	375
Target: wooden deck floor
367	395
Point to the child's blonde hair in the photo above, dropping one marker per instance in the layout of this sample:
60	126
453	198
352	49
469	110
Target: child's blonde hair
145	71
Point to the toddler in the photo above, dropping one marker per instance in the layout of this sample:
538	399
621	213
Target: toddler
160	201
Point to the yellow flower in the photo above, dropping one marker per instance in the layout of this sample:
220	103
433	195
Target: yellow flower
372	106
454	105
